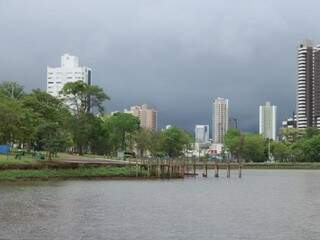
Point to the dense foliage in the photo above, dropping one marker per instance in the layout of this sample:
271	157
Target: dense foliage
76	122
301	145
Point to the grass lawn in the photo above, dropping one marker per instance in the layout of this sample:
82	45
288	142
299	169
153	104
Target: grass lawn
10	159
82	172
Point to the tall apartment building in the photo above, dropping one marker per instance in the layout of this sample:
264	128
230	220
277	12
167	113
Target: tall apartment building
268	121
69	71
201	133
220	119
308	89
147	116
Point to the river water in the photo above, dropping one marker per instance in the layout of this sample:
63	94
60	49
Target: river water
264	204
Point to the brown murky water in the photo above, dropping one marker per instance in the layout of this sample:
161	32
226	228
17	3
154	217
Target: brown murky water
262	205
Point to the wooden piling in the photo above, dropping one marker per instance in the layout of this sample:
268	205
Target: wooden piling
228	170
216	170
240	170
136	169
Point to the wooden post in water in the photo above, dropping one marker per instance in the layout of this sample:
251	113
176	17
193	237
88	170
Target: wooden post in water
148	167
228	169
216	170
158	168
205	174
136	168
240	170
194	166
206	170
130	168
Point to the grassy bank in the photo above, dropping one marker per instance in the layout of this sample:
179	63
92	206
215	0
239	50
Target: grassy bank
80	172
307	165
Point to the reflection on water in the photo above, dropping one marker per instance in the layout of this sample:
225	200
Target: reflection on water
262	205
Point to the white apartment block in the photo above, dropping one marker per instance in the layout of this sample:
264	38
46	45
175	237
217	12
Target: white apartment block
201	133
220	119
268	121
69	71
147	116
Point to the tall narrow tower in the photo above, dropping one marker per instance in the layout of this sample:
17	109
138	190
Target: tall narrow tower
220	119
305	89
316	87
268	121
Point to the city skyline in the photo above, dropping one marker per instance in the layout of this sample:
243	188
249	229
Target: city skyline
190	54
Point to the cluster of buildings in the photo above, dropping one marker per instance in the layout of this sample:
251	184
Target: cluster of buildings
71	71
307	111
221	122
307	105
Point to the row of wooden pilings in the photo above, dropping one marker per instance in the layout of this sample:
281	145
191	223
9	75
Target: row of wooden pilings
177	168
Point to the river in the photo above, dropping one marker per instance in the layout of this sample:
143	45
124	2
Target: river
263	204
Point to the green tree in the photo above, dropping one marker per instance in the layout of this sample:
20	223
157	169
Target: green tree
291	135
233	140
123	127
82	97
174	141
53	138
307	149
46	107
10	120
280	151
11	90
155	146
143	141
45	110
254	148
310	132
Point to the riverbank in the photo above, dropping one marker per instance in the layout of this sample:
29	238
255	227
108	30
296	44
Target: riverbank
98	168
306	166
70	173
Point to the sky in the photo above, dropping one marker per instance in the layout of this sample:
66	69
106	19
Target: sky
175	55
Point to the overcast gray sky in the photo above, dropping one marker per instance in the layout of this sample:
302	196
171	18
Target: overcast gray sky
176	55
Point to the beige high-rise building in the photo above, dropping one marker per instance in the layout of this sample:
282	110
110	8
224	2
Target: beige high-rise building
220	119
146	115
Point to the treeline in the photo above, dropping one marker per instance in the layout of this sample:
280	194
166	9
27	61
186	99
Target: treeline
76	122
296	145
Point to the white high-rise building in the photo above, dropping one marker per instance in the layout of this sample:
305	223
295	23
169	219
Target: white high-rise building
201	133
268	121
220	119
70	71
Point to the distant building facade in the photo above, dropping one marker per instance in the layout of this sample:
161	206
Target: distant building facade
69	71
147	116
268	121
201	133
290	122
308	85
220	119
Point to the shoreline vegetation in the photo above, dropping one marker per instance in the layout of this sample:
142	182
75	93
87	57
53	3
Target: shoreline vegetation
30	169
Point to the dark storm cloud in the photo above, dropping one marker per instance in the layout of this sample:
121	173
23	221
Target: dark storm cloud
177	55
